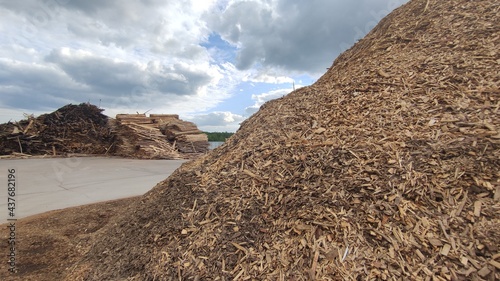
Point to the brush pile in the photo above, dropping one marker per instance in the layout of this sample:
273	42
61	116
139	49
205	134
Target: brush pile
387	168
70	129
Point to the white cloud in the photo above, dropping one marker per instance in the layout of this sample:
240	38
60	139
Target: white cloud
155	55
260	99
17	114
268	76
217	121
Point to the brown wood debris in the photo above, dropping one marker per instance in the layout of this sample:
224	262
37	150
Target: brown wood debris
161	136
401	183
71	129
84	130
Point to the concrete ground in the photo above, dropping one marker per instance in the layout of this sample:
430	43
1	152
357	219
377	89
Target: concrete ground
55	183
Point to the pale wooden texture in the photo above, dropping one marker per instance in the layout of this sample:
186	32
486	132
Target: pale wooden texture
182	136
387	168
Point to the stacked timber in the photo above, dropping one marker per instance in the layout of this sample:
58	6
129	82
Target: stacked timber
186	136
141	118
134	119
163	118
143	142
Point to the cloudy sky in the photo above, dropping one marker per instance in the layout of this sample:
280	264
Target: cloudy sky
213	62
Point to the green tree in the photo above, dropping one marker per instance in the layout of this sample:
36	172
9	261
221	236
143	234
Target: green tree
218	136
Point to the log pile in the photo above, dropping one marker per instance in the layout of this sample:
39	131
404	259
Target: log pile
184	136
83	129
70	129
141	118
143	142
164	118
387	168
134	119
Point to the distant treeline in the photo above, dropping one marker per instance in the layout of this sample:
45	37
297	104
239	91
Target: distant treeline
218	136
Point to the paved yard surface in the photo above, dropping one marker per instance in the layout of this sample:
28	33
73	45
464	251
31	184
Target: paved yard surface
55	183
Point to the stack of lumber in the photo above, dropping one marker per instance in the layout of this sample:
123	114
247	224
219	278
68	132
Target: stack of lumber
387	168
177	128
186	136
83	129
197	143
143	142
141	118
134	119
78	129
164	118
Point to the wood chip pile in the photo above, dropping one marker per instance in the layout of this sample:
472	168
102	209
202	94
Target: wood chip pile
70	129
387	168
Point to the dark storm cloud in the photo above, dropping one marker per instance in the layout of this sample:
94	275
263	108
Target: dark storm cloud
297	35
116	78
101	74
33	85
180	79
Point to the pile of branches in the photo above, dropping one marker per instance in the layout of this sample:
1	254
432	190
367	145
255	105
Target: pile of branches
80	129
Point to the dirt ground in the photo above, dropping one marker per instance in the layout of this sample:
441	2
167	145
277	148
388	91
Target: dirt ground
49	243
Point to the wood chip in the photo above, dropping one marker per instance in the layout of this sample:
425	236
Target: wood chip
420	255
435	242
445	250
483	272
495	264
477	208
